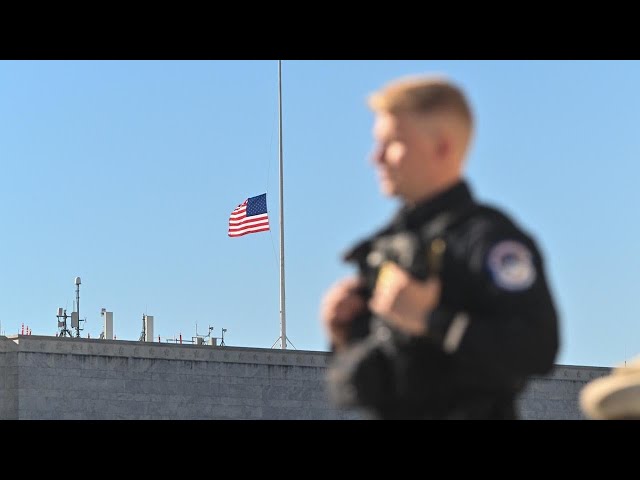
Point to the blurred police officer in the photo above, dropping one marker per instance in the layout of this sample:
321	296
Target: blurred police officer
460	341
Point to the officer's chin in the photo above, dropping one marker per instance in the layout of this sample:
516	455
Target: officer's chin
388	189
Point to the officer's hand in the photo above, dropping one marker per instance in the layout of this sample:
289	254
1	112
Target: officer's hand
404	301
341	304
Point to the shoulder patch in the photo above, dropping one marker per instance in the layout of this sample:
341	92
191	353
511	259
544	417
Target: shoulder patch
511	265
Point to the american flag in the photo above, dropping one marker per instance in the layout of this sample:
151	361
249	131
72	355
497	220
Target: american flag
249	217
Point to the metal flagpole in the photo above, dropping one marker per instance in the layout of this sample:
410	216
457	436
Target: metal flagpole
283	313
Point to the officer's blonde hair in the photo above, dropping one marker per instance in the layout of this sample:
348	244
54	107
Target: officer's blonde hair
422	95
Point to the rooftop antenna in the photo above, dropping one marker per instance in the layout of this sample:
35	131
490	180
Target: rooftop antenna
62	324
102	313
75	316
207	336
222	339
144	331
107	325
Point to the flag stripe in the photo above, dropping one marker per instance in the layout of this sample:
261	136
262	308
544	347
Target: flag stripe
265	226
248	222
248	230
248	225
262	218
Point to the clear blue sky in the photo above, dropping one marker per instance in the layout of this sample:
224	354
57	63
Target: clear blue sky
125	173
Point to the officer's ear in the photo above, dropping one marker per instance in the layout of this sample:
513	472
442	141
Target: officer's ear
443	145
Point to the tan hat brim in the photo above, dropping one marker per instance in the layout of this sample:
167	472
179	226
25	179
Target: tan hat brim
612	397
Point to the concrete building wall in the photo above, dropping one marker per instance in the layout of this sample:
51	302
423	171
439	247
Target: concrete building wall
555	397
67	378
8	379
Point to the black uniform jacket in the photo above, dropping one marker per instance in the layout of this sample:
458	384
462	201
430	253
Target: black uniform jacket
495	325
